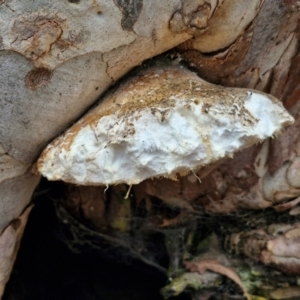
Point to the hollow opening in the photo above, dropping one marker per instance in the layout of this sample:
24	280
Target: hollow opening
47	269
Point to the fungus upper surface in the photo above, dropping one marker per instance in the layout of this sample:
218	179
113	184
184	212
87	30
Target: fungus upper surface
161	122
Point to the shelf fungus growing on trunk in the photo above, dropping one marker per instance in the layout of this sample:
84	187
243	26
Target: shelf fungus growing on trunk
163	121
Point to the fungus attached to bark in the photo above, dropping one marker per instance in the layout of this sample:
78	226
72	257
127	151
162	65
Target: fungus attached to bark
161	122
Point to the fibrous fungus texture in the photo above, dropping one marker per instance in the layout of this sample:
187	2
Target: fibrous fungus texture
160	122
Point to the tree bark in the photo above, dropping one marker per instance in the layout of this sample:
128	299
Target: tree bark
57	58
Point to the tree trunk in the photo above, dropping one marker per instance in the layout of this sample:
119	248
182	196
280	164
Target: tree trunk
57	58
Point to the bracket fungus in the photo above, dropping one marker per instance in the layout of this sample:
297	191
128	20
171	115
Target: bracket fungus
161	122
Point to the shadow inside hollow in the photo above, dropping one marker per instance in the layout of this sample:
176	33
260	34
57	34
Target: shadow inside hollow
46	269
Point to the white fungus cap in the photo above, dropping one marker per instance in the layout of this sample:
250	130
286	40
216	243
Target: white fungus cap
162	122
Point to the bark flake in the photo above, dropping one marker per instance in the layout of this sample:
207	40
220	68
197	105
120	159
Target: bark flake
131	10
